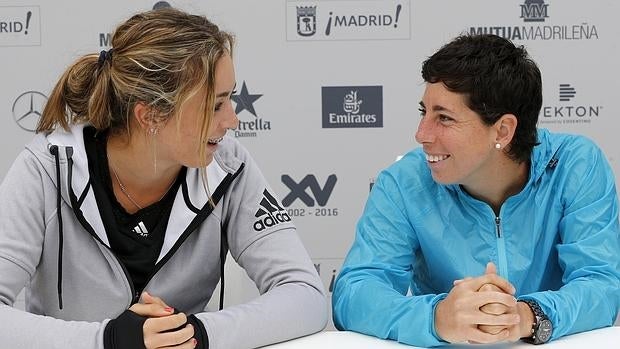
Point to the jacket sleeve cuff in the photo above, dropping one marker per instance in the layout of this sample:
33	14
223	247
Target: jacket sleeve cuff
434	303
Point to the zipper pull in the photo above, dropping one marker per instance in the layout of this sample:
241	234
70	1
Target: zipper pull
497	221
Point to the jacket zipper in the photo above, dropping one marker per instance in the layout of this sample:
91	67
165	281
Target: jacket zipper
132	289
224	185
497	221
80	217
134	294
501	250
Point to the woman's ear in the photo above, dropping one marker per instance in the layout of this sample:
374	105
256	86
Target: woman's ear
506	127
146	118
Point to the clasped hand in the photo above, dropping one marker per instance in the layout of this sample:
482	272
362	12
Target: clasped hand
163	328
479	310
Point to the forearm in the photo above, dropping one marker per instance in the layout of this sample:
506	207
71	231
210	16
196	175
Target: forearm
580	305
288	311
373	307
21	329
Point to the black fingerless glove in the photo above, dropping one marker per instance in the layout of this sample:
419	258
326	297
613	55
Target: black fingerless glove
200	333
126	331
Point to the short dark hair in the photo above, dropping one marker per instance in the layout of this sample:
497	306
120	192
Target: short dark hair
496	77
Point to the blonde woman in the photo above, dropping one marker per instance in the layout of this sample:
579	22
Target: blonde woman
118	215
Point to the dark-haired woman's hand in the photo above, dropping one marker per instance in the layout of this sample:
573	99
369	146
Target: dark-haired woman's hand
459	315
516	331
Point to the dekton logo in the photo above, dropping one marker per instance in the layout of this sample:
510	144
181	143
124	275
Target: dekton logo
570	113
567	92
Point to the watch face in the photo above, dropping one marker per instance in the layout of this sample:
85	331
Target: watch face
543	333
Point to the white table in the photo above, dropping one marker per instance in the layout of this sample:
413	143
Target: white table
602	338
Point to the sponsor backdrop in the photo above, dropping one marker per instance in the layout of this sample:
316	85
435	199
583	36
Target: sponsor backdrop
328	90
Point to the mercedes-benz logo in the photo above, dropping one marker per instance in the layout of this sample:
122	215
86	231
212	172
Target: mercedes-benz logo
27	109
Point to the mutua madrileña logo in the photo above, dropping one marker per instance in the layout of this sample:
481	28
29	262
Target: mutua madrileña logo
534	13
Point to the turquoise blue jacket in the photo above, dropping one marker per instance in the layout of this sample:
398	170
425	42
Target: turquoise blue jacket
557	241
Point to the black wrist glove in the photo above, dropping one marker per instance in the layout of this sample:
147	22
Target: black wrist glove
126	331
200	333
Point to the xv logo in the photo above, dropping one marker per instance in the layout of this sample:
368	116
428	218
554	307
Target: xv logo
298	190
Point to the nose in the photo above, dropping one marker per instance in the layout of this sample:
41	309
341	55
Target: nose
425	132
231	121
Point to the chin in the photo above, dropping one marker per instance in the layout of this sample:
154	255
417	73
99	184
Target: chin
442	180
196	163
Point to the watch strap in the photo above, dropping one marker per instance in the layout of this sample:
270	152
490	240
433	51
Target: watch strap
539	315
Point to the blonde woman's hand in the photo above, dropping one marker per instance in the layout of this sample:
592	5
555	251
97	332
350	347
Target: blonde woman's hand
163	328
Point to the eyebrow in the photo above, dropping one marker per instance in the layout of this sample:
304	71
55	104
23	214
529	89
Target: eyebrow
226	93
436	108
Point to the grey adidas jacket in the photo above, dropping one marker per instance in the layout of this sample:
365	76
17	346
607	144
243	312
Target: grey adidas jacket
73	264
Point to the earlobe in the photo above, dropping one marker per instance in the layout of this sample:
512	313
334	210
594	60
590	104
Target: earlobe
140	114
145	117
506	127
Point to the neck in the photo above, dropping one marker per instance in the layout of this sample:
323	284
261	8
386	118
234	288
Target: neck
504	180
134	162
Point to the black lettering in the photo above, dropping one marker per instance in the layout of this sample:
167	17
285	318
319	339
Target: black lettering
269	221
340	21
258	226
298	190
105	39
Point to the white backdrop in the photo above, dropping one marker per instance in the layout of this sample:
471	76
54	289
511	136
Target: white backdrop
331	87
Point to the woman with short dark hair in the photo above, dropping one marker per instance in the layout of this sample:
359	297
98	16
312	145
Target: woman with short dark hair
534	212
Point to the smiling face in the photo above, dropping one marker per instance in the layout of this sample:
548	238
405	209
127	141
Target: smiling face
180	137
459	148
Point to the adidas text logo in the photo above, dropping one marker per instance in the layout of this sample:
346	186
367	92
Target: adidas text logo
270	213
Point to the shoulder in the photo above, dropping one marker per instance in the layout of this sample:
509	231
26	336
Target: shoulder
37	150
409	172
30	166
405	179
578	164
231	154
575	150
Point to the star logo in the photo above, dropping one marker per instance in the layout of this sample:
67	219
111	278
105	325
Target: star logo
245	100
